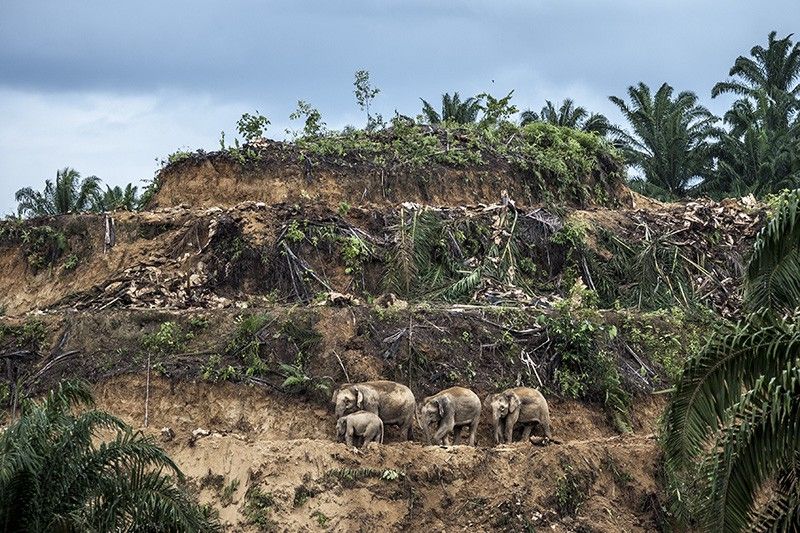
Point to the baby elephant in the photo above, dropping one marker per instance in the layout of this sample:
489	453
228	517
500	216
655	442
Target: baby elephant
518	405
450	410
360	424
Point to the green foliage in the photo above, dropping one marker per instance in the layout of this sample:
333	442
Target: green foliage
322	520
247	344
57	475
258	509
41	245
734	411
758	152
298	382
213	370
117	198
177	156
657	273
152	187
773	276
365	93
167	339
670	141
313	125
586	369
69	194
572	490
71	262
559	164
453	110
252	127
570	116
496	111
226	496
667	337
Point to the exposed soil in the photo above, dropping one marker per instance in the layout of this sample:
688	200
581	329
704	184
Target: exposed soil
285	448
225	244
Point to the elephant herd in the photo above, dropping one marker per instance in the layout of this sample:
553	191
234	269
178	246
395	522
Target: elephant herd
363	409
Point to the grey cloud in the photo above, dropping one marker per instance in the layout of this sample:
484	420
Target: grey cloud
234	56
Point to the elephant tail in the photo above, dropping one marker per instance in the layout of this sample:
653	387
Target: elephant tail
381	432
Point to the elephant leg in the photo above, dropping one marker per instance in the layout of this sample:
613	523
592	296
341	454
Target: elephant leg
498	432
407	428
457	434
473	432
442	435
526	432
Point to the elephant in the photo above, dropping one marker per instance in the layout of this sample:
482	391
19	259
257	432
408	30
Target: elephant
360	424
518	405
393	402
451	410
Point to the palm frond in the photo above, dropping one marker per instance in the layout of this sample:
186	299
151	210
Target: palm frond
773	276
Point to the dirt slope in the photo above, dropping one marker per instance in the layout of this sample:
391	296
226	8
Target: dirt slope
283	448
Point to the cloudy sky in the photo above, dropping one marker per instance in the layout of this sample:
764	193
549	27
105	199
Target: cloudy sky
110	87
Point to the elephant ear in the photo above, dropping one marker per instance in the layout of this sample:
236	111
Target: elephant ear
360	399
335	394
513	402
443	404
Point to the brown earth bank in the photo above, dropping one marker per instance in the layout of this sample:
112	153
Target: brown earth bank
336	171
216	258
279	451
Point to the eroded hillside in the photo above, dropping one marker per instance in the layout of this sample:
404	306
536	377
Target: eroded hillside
259	280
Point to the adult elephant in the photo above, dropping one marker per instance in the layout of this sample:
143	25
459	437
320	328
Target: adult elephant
393	402
518	405
450	411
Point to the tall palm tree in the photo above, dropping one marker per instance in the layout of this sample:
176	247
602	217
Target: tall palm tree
670	137
753	158
55	476
118	198
568	115
773	72
736	409
453	110
760	152
69	194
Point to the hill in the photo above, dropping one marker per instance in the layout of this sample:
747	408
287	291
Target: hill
261	276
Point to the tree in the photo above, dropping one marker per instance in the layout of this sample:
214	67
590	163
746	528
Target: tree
671	137
568	115
453	110
773	73
56	474
365	94
759	151
735	411
69	194
118	198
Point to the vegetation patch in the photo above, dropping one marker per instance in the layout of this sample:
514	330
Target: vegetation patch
258	509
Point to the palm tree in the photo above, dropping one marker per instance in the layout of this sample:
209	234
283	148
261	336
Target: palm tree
753	158
568	115
759	152
69	194
670	138
773	72
453	110
736	409
118	198
55	476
